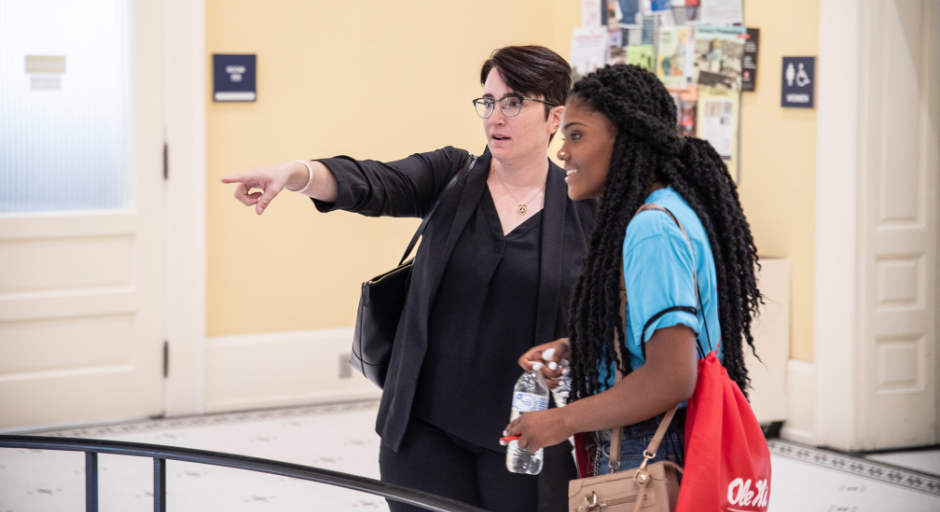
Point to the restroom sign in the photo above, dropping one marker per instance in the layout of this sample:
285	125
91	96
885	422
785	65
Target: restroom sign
799	82
234	78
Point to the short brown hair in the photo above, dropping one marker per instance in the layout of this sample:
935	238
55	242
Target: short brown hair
531	70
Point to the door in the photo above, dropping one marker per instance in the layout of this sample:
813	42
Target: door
898	224
82	207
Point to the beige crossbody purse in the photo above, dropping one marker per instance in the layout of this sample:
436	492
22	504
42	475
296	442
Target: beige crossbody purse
650	487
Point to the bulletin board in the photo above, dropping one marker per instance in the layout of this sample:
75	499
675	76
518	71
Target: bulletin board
699	49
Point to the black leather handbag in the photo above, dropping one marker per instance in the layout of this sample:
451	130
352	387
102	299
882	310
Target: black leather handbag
382	301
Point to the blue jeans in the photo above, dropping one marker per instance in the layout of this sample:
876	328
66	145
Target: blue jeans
635	439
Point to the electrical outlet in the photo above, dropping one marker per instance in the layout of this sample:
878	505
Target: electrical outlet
345	370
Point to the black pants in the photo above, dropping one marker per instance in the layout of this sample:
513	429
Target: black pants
433	461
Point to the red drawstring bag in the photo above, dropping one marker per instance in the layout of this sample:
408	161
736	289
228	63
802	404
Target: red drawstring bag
727	462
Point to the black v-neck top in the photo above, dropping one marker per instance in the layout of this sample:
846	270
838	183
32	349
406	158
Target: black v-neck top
408	188
483	319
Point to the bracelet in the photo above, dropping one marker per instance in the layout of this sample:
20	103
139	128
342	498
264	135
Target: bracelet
309	180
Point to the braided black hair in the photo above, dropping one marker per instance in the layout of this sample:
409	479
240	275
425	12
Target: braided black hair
648	149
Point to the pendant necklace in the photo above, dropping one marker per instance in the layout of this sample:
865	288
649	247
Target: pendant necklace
523	207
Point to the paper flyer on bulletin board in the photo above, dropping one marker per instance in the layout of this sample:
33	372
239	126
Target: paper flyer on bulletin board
591	13
722	12
630	13
642	55
654	7
687	109
588	50
672	62
719	55
749	64
718	123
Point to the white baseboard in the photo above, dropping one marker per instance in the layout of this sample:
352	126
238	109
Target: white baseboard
800	426
281	369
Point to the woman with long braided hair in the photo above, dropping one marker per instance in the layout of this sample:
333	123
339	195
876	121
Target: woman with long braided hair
686	263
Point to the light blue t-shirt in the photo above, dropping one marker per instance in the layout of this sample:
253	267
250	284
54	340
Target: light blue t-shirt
658	264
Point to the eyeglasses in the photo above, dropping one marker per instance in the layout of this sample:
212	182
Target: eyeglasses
510	105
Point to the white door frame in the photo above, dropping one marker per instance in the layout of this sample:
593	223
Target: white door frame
839	339
834	333
186	204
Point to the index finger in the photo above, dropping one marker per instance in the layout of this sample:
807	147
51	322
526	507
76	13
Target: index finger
235	178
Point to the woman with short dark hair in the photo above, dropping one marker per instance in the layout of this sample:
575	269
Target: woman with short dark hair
491	280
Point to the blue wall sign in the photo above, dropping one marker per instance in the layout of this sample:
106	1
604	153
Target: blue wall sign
799	82
234	78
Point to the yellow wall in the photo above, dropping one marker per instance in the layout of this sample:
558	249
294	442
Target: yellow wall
381	80
778	157
372	79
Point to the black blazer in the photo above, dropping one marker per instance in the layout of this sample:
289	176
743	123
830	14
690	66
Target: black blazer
408	188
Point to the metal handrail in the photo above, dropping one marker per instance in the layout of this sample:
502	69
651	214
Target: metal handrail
160	454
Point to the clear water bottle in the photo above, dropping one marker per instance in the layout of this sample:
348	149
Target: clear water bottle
530	394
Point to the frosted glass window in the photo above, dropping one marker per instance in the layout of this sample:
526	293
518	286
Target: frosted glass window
65	105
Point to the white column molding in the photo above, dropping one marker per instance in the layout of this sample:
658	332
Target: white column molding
186	205
836	301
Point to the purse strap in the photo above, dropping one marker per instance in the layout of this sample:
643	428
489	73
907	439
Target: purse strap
650	451
471	161
667	419
698	295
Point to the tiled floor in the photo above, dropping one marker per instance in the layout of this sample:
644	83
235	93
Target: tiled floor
341	438
925	461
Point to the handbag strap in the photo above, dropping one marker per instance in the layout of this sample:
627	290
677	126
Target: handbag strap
650	452
698	295
667	419
471	161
